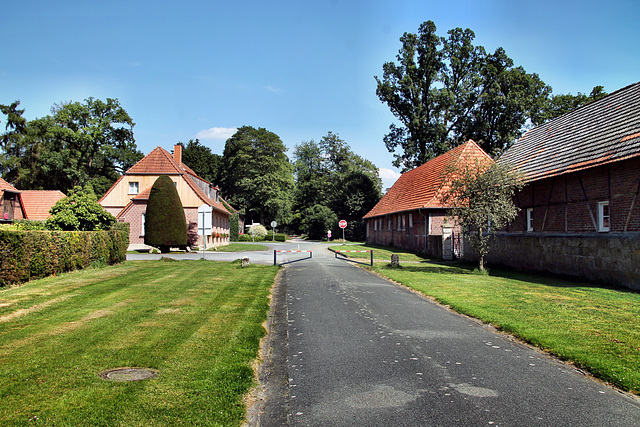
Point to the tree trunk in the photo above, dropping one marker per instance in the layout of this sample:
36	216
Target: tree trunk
481	251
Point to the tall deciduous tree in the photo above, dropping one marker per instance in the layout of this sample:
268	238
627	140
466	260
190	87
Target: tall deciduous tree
257	176
202	161
78	144
446	90
482	200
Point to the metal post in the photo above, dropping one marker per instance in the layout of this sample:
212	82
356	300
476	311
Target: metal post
371	258
274	257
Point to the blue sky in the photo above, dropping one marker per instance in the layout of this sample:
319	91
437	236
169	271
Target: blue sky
300	69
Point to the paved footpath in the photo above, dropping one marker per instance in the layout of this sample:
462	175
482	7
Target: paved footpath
349	348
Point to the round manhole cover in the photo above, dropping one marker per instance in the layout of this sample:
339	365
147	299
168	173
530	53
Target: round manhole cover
128	374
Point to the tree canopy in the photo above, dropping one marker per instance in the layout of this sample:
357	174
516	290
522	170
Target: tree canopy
88	143
444	91
558	105
330	177
202	161
257	175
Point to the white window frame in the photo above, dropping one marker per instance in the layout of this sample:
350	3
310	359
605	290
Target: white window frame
604	217
134	187
529	219
375	225
143	222
411	220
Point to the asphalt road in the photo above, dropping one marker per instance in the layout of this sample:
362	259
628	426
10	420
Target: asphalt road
348	348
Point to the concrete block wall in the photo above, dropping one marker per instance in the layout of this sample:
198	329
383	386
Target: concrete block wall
612	258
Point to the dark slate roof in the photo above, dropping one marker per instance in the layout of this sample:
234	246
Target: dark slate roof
604	131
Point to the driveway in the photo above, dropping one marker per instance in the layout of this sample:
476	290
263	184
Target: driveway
348	348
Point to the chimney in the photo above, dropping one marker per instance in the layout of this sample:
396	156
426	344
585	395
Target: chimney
177	153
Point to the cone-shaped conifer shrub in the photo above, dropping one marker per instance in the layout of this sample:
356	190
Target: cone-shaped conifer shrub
165	224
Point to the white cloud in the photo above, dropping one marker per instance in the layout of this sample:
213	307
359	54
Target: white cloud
388	176
216	133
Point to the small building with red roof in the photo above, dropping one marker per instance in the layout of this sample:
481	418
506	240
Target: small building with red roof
412	214
10	203
127	198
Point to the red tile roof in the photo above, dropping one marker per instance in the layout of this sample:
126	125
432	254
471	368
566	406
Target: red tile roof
157	162
601	132
38	203
422	187
5	186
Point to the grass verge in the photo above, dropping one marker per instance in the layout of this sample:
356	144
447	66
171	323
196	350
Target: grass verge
379	252
198	323
594	327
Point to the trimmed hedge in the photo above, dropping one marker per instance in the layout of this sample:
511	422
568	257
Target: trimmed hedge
279	237
28	255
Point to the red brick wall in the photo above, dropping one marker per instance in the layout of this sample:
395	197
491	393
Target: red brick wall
569	203
411	238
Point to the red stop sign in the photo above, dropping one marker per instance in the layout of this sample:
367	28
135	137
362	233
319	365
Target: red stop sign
342	223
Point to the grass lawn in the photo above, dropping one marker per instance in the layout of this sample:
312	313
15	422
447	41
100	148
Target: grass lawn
379	252
197	323
595	327
240	247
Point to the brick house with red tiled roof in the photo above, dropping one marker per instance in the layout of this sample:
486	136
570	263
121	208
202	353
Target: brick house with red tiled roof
411	215
127	198
10	203
580	211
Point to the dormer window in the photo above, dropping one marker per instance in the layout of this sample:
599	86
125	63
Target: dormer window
134	188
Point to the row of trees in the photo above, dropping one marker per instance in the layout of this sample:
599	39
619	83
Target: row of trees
324	182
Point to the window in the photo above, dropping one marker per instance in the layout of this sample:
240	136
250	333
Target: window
142	232
389	223
603	216
134	188
529	219
410	220
375	225
398	222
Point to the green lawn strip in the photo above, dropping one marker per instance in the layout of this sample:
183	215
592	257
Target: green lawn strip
379	252
594	327
198	323
240	247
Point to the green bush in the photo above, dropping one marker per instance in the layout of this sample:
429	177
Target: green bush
165	223
278	237
248	238
27	255
79	211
